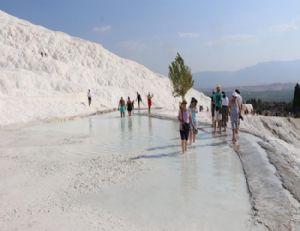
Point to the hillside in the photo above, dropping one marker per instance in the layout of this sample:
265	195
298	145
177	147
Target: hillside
46	74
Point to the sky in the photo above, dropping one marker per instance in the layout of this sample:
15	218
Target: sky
211	35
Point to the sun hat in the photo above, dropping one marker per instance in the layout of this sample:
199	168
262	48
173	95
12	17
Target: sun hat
237	91
234	94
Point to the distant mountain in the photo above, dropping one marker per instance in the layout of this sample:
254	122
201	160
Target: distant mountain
259	74
278	92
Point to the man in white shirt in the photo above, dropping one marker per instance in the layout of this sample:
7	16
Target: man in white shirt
225	102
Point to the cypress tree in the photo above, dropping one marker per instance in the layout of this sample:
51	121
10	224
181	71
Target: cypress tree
296	101
180	76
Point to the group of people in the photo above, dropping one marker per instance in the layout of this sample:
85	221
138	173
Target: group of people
222	107
129	105
123	106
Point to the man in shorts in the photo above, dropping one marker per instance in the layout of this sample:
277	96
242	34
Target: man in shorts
217	98
212	108
239	100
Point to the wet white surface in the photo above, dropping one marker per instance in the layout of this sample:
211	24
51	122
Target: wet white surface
204	189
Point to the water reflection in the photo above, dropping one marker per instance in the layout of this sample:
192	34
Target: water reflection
205	186
90	126
122	123
129	123
150	126
189	175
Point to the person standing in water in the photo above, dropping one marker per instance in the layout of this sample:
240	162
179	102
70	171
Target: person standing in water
212	108
122	107
193	130
139	99
234	115
240	104
149	99
129	106
217	97
185	119
225	102
89	97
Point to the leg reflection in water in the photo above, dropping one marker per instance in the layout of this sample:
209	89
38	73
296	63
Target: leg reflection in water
90	126
150	125
189	175
122	123
129	123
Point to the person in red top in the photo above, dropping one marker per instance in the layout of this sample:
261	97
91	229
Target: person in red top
149	98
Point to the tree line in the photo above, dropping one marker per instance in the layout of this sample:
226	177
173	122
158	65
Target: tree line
278	108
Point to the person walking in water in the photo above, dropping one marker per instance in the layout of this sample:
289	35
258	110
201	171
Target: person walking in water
240	104
185	119
129	106
225	102
193	129
149	99
234	115
139	99
212	108
122	107
217	98
89	97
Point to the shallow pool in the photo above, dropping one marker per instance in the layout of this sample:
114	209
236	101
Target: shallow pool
204	189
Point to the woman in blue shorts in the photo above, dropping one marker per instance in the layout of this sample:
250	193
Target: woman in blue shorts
185	119
122	107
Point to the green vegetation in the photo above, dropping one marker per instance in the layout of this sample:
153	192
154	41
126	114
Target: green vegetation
181	77
271	108
270	96
278	108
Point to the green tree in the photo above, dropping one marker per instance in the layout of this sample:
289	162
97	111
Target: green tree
181	77
296	101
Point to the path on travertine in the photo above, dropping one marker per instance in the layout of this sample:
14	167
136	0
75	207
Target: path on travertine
205	189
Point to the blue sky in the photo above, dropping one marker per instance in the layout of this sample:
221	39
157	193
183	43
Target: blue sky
209	34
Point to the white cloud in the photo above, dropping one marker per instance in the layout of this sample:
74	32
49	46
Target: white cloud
102	29
283	28
232	39
189	35
132	45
